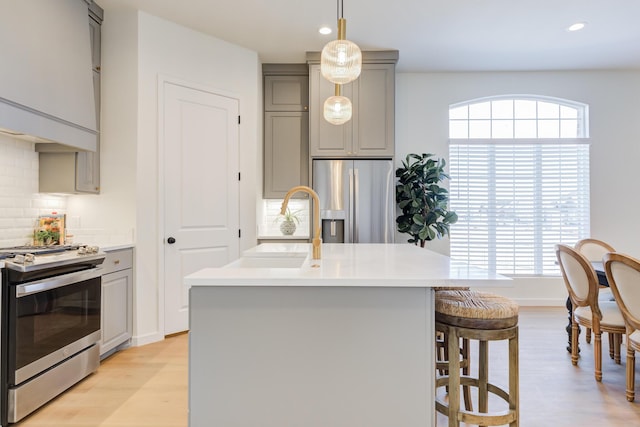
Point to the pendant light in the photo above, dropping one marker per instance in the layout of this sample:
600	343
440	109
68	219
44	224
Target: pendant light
337	109
341	60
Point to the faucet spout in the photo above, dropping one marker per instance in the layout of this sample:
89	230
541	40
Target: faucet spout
317	240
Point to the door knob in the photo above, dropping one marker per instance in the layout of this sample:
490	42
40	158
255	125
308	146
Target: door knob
171	240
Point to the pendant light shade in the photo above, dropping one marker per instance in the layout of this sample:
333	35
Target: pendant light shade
337	110
340	63
341	60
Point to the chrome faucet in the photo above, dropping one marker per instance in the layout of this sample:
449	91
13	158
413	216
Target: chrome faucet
317	240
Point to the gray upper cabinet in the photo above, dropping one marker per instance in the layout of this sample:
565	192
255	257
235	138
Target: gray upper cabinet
76	172
371	130
286	128
286	93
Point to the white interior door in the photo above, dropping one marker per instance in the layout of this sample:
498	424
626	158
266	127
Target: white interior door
201	190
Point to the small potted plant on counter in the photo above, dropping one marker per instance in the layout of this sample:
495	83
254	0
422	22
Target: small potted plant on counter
289	221
423	201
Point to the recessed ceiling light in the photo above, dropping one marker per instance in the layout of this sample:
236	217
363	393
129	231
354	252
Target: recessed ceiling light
577	26
324	30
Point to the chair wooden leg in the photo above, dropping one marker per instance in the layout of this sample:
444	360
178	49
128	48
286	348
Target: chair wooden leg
612	344
617	341
631	373
597	354
587	335
574	343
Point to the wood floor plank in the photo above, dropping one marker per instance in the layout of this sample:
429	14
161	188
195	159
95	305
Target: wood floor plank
147	386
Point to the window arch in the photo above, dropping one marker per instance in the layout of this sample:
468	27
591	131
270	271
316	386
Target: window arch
519	167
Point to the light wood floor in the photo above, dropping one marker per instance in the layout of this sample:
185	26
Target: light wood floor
147	386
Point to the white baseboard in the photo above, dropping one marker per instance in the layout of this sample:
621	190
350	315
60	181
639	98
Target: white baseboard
146	339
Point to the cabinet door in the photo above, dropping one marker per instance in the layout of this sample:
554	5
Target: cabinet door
327	140
88	163
117	313
286	93
375	111
286	154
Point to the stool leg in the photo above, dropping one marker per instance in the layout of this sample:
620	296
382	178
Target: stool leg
454	377
466	390
514	384
483	376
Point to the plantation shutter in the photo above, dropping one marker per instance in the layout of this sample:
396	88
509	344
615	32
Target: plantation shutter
515	200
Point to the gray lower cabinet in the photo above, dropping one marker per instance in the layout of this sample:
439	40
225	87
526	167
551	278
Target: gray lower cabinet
371	130
117	301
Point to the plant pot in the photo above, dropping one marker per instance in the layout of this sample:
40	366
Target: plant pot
288	227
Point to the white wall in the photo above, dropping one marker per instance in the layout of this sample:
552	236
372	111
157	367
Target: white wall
171	50
422	102
137	48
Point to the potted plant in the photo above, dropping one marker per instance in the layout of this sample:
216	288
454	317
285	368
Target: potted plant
423	201
289	221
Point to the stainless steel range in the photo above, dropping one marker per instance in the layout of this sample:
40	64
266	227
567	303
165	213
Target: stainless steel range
50	324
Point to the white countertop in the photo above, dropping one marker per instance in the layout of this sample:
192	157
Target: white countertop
373	265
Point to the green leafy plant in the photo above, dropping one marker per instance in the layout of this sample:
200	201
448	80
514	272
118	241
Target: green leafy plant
423	201
289	216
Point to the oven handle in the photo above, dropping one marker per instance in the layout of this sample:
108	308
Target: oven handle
57	282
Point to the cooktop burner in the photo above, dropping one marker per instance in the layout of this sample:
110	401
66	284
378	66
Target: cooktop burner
36	250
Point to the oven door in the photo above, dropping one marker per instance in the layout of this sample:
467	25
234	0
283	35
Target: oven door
50	320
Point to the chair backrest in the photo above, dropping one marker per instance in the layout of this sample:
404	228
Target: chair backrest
593	249
623	275
579	277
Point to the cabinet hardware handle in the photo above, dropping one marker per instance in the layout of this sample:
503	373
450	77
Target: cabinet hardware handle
116	262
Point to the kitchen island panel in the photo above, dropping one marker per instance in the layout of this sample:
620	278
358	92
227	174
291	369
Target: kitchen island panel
311	356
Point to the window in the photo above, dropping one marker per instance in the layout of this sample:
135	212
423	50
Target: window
519	171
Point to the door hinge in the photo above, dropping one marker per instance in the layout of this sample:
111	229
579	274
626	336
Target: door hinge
238	176
238	119
239	233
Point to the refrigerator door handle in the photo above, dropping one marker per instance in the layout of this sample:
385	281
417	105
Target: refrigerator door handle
356	207
351	205
389	213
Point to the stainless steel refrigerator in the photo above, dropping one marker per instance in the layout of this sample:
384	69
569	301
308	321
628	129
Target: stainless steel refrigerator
357	202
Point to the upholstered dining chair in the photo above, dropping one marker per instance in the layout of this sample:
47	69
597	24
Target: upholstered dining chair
594	250
601	316
623	274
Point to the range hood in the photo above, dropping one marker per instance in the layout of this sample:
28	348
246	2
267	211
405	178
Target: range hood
46	80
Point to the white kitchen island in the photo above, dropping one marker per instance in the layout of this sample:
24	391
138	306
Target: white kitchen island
344	341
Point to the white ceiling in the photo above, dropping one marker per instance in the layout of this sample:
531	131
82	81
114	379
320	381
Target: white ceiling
431	35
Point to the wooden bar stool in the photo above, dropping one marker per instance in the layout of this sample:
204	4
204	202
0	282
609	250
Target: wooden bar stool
484	317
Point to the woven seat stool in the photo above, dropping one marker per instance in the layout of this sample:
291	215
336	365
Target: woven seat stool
483	317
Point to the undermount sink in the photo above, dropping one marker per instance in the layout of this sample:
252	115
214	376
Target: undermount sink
268	262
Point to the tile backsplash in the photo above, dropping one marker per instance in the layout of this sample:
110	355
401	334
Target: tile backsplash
20	202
